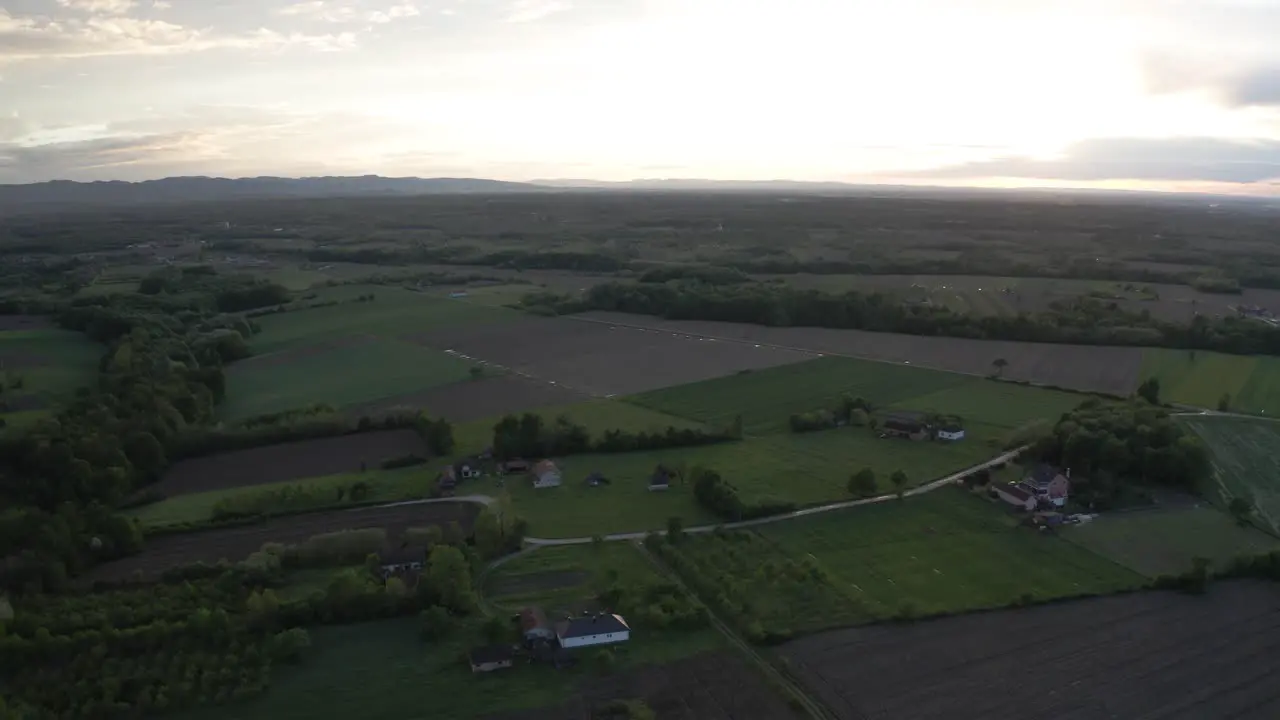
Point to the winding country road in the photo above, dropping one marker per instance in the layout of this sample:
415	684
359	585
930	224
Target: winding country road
920	490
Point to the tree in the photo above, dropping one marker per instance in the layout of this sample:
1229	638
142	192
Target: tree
1241	509
1224	402
449	575
1000	364
597	542
488	534
1149	390
863	483
434	623
858	417
899	480
675	528
145	453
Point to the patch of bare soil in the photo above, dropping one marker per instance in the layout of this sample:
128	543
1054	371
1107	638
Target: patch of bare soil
237	543
1113	370
24	322
477	399
289	461
1149	655
601	359
710	686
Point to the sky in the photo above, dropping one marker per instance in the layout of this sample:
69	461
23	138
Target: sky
1140	94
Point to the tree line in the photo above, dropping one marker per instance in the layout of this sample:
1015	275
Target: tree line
1082	320
722	498
528	436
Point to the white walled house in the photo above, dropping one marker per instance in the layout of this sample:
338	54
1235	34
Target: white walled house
546	474
592	630
951	433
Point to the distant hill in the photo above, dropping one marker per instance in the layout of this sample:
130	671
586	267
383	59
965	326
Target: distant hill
194	189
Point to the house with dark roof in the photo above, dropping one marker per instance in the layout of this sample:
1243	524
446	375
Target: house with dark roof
515	466
908	425
1048	483
534	625
490	658
546	474
1015	495
661	479
601	629
401	560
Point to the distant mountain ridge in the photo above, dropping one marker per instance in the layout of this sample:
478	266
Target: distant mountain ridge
195	189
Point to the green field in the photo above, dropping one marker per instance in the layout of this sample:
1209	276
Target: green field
394	312
1164	542
1202	378
387	486
767	398
946	551
368	369
49	364
1246	461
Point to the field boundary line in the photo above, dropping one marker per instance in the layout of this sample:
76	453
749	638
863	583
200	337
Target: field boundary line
812	707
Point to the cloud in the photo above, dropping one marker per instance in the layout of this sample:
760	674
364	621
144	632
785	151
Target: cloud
1234	83
161	5
105	155
27	38
523	11
100	7
1138	159
320	10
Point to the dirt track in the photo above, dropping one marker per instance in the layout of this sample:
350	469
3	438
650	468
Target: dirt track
288	461
1144	655
1081	367
236	543
603	360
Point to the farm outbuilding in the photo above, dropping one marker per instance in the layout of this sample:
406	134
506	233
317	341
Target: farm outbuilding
534	625
602	629
950	433
1015	495
661	479
401	560
490	658
546	474
905	425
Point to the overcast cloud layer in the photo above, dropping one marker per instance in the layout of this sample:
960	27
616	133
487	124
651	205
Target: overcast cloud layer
1162	94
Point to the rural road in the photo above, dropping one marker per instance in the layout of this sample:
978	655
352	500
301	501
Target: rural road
928	487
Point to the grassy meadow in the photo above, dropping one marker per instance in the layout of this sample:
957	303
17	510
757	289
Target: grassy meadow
1202	378
1165	541
566	575
365	370
40	368
943	552
1246	461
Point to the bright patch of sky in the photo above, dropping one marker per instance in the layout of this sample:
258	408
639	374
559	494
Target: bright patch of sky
1173	94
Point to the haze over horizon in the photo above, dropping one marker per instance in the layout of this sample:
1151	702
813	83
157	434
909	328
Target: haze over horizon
1123	94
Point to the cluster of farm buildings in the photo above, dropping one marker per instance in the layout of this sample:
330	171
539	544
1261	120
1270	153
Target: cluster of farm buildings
1045	487
543	641
542	474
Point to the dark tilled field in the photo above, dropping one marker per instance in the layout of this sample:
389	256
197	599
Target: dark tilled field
1144	655
601	359
477	399
24	322
236	543
1080	367
711	686
288	461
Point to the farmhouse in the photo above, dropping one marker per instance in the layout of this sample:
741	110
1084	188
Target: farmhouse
1047	482
1015	495
661	479
490	658
401	560
950	433
905	425
546	474
601	629
534	625
468	468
